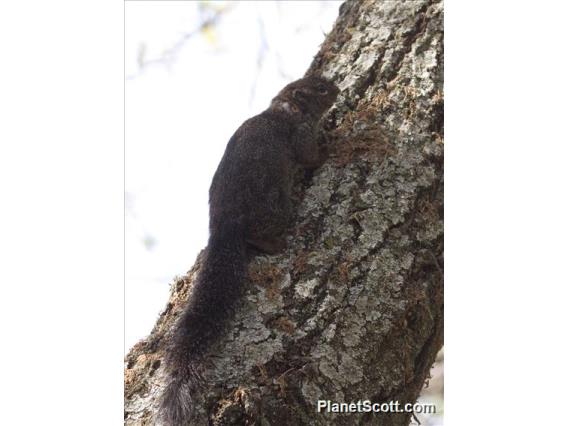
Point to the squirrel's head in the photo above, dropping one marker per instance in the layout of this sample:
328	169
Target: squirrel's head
307	96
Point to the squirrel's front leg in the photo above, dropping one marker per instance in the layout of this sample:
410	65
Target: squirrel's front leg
310	145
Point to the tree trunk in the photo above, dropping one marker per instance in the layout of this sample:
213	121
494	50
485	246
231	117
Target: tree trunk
353	309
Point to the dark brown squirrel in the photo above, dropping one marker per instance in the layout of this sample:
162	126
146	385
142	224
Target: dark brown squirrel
249	206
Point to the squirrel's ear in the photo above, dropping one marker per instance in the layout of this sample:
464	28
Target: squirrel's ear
298	95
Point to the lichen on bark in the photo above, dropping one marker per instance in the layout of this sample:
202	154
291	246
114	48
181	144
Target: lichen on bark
353	309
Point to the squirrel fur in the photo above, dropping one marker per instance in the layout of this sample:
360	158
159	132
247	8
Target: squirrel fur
249	206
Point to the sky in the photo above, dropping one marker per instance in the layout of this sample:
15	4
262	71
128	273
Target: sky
194	72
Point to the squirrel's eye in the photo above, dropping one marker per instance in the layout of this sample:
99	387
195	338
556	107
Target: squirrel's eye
322	90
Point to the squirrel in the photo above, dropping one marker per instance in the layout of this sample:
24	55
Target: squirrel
249	207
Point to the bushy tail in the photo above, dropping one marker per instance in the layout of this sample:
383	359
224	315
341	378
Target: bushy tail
210	305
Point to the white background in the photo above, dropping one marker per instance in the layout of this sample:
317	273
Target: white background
61	218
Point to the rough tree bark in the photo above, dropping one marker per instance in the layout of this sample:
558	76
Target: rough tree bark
353	309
